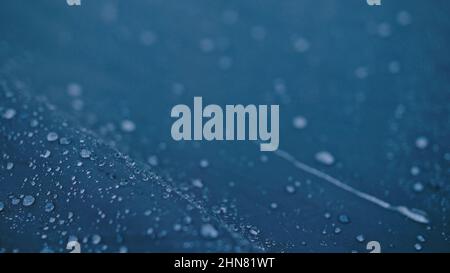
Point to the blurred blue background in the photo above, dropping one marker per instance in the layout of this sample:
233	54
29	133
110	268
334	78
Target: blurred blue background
366	86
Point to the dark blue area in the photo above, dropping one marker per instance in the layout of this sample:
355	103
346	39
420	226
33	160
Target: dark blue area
371	82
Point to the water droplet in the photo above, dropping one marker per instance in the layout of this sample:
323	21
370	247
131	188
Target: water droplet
421	239
337	230
52	136
149	231
290	189
415	170
74	89
404	18
207	45
230	17
325	158
394	67
418	187
15	201
49	207
46	154
301	45
225	62
2	206
128	126
344	219
254	232
28	200
9	113
197	183
64	141
209	231
327	215
421	142
258	33
300	122
85	153
9	165
204	163
384	30
147	38
153	160
273	205
123	249
96	239
418	247
360	238
34	123
361	72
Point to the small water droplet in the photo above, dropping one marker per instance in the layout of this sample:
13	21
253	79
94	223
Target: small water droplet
290	189
421	142
9	113
64	141
325	158
300	122
404	18
49	207
28	200
207	45
128	126
96	239
360	238
15	201
123	249
418	187
2	206
254	232
149	231
204	163
344	219
147	38
418	247
85	153
361	72
153	160
197	183
52	136
46	154
9	165
301	45
415	170
74	89
421	239
209	231
337	230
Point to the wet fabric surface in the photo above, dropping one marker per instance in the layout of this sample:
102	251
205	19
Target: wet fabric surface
86	150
